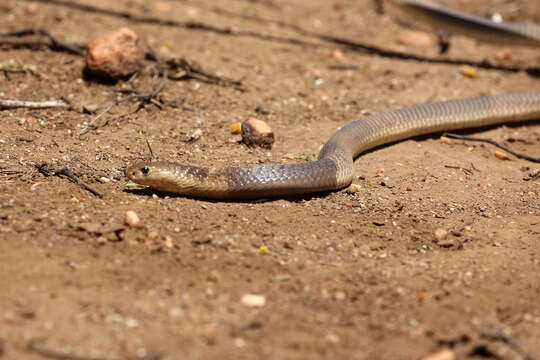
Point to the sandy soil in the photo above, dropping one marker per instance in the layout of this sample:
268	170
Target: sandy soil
348	276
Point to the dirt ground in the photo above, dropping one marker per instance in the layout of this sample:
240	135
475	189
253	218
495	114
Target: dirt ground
364	275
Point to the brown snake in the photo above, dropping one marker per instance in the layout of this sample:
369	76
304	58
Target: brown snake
334	168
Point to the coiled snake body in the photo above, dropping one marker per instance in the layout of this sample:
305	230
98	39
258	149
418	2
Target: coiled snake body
334	168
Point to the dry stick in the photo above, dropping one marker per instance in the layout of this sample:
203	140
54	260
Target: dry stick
144	98
507	339
11	104
44	169
493	142
55	43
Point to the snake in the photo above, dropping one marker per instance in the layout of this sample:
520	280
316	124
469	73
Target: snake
333	170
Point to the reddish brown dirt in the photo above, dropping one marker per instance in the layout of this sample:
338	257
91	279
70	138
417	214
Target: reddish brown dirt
349	276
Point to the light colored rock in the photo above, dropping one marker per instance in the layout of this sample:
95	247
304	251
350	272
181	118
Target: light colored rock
257	132
253	300
115	54
445	354
131	218
415	38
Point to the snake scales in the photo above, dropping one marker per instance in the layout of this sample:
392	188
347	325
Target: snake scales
334	168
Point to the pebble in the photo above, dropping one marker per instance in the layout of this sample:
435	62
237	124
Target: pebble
214	276
445	354
115	54
468	71
353	188
440	234
131	218
253	300
257	132
500	155
415	38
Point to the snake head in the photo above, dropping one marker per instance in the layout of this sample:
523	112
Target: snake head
179	179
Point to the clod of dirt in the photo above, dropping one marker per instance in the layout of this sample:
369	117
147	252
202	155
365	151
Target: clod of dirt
115	54
415	38
257	132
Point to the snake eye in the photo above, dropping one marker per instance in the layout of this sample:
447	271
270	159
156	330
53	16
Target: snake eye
145	170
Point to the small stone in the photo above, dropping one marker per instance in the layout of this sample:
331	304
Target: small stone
131	218
445	354
169	244
440	234
415	38
500	155
468	71
353	188
214	276
236	128
253	300
89	108
445	140
115	54
338	55
257	132
340	295
332	338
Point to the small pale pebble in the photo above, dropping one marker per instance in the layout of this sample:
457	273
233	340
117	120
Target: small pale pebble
415	38
332	338
440	234
500	155
253	300
74	200
353	188
445	140
153	235
131	218
340	295
445	354
338	55
169	244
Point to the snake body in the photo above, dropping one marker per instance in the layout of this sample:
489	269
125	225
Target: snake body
334	168
457	22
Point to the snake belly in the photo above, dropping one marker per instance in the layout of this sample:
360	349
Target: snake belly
334	168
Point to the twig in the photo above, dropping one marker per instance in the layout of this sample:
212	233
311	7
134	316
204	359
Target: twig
500	335
55	43
144	98
35	347
185	69
44	169
11	104
150	149
493	142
